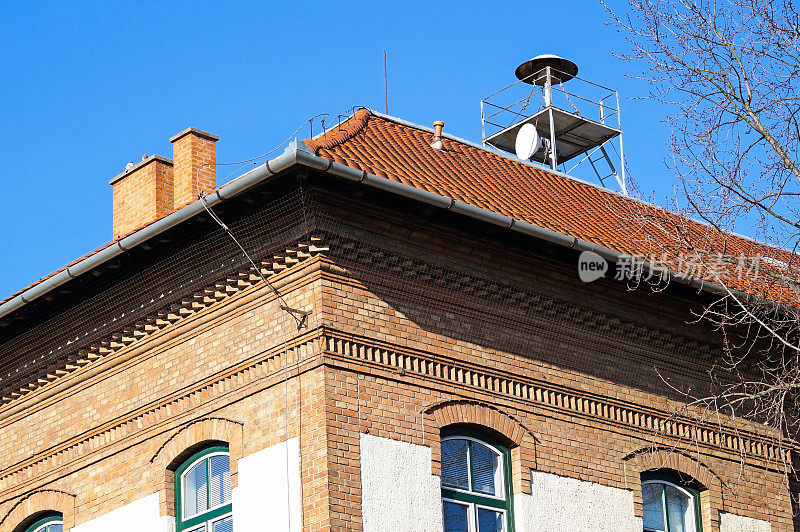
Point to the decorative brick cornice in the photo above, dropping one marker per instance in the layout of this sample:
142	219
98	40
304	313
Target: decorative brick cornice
505	303
131	334
541	394
261	371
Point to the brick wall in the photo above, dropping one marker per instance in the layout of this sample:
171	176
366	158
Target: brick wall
414	324
157	186
195	159
142	195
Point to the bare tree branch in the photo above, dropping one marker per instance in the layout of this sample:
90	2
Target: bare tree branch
730	71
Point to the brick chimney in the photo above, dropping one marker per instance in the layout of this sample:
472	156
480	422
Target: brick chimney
157	186
195	159
142	194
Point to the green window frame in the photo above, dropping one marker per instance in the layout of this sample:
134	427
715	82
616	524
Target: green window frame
665	480
471	497
204	519
51	523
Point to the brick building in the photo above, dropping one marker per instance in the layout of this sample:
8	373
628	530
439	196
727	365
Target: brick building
412	349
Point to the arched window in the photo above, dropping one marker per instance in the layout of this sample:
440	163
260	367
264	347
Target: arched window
203	492
476	489
669	503
52	523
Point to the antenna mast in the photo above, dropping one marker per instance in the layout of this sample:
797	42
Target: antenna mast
385	84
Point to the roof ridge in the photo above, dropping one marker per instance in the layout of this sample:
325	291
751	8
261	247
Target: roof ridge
332	137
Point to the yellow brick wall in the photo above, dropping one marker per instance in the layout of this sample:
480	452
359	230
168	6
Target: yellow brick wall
390	352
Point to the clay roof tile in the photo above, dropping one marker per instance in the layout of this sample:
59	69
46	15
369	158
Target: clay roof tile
401	152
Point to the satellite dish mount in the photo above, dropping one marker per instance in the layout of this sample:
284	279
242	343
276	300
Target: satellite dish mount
528	142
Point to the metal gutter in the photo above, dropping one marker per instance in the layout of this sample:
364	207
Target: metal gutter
305	156
255	176
298	153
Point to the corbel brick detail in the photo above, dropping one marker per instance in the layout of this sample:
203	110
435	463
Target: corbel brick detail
652	458
521	441
46	500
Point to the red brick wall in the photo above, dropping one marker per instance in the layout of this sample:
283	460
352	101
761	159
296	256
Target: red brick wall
142	197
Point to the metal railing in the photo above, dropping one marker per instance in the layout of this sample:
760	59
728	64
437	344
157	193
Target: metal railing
544	89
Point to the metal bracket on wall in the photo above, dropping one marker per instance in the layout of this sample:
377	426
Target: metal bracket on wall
300	315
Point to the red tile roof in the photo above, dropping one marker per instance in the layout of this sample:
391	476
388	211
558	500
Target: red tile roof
401	152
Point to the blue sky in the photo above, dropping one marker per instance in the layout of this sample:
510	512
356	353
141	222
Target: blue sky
87	87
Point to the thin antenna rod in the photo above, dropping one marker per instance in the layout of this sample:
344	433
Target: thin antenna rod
385	84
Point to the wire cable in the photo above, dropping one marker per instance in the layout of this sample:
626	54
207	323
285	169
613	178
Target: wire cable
300	321
279	146
200	195
274	290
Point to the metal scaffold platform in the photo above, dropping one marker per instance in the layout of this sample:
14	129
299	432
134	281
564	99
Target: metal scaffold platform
538	120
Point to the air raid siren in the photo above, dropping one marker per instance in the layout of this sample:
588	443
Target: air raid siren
548	125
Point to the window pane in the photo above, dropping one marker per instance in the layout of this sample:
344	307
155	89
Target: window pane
201	528
195	490
454	464
58	527
456	518
224	525
680	510
486	470
489	520
653	506
220	480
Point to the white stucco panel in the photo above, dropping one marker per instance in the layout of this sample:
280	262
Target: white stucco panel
266	498
141	514
398	492
559	504
737	523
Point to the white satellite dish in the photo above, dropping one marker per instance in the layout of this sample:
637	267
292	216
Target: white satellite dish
528	142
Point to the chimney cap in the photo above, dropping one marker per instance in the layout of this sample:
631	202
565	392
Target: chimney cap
144	162
197	132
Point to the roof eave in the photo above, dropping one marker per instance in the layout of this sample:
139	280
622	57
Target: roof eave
234	188
298	153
